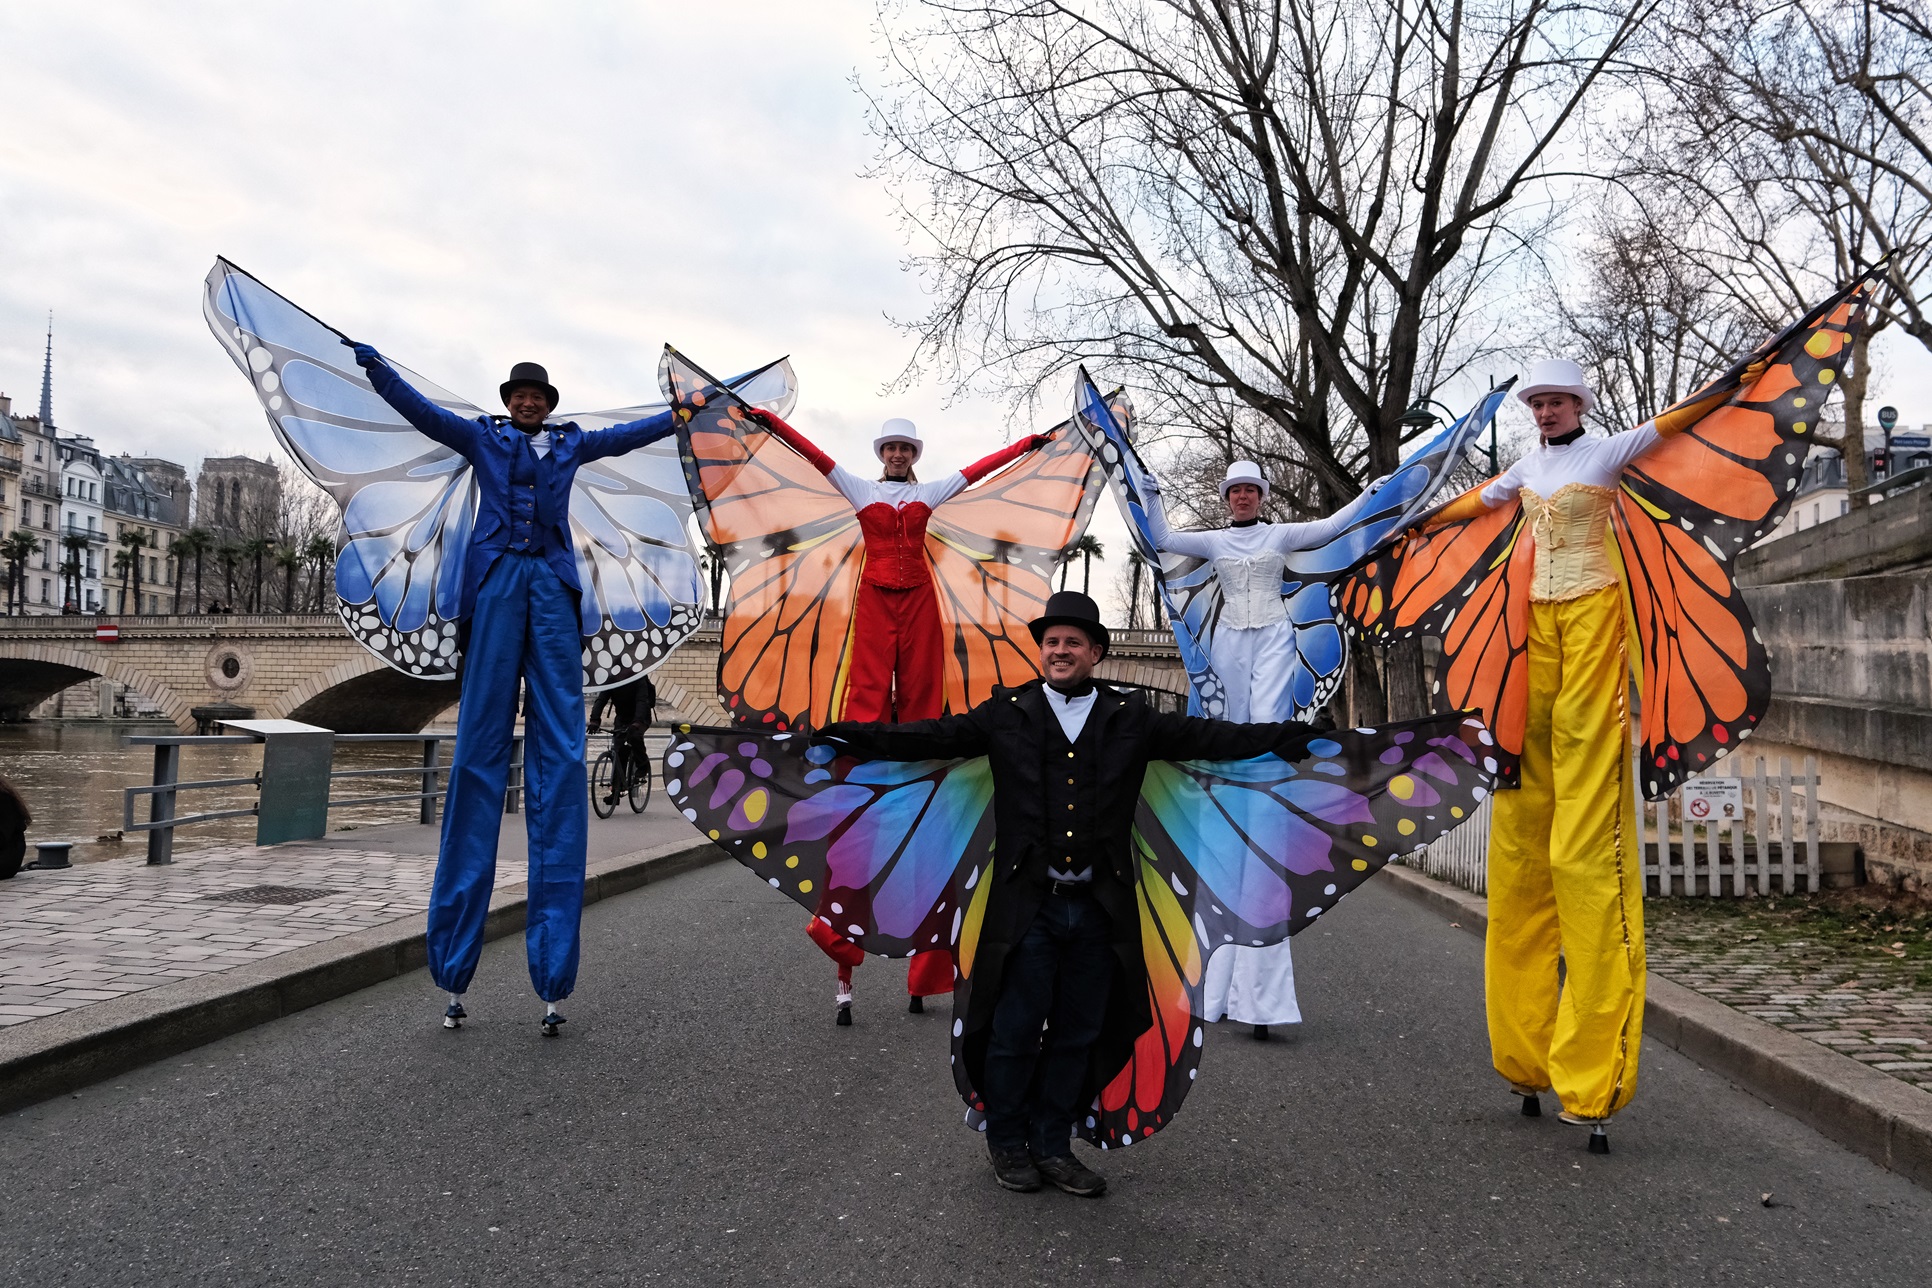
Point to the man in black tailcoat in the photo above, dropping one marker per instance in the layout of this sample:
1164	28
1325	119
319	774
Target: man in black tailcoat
1059	983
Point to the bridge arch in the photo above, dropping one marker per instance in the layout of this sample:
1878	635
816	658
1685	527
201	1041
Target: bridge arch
37	670
366	695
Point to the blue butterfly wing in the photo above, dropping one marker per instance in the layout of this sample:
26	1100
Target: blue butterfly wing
407	503
1189	589
1387	508
884	852
637	552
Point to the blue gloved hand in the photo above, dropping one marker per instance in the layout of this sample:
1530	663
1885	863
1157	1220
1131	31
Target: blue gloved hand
366	355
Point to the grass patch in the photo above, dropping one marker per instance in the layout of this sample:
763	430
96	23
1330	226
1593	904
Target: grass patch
1859	929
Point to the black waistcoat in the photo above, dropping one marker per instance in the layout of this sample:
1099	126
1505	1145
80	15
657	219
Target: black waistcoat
1070	777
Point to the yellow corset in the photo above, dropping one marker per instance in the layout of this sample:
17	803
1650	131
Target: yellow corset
1571	530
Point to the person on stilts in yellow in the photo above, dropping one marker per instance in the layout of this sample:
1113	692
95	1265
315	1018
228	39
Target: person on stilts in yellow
1565	874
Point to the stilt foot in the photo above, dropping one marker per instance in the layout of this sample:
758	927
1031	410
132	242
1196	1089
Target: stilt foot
551	1022
454	1016
916	1006
1599	1141
1532	1107
1261	1033
845	1017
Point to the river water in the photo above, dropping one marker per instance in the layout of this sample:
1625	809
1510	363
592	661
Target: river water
72	776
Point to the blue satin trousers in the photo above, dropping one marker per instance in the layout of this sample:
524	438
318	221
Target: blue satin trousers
524	627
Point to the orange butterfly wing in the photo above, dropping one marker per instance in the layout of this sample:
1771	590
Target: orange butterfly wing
1687	508
994	549
793	549
1465	583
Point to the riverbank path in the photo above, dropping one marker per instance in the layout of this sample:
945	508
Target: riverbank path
702	1121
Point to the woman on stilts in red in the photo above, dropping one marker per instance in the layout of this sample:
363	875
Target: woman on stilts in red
895	668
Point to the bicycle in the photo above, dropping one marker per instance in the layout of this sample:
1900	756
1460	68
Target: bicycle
636	786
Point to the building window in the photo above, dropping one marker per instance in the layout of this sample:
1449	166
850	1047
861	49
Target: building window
47	517
45	590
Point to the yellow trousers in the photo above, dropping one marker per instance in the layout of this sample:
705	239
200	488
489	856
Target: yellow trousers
1564	873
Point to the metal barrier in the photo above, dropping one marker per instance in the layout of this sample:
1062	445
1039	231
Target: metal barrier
164	792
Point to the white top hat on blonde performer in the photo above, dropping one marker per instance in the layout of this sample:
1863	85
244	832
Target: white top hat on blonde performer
899	430
1244	472
1557	376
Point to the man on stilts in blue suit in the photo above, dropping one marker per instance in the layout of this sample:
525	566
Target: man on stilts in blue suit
520	601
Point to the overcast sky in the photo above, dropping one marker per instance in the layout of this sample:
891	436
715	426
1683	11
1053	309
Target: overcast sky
464	186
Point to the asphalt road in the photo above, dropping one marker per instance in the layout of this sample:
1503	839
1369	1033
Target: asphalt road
703	1121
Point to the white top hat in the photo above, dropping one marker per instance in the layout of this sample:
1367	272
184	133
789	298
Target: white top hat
1557	376
1244	472
898	430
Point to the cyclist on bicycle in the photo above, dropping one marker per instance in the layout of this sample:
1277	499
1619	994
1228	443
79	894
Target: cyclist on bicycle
632	707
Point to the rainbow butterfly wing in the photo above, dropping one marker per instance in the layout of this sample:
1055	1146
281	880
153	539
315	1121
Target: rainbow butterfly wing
1253	851
791	545
882	851
1687	507
993	550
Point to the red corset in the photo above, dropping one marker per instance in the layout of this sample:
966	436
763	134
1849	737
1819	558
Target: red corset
895	545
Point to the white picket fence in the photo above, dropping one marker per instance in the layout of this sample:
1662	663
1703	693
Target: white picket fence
1770	841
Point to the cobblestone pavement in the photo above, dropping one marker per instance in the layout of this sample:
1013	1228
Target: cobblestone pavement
97	931
1856	999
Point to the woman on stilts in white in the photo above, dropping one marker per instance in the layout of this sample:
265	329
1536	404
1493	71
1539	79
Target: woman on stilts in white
1252	649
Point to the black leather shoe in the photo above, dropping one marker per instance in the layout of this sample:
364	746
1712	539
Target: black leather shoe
1071	1175
1014	1169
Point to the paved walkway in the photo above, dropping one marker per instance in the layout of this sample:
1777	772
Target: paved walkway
97	931
1866	1005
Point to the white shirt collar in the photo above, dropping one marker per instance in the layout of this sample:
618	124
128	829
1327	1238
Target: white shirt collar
1070	712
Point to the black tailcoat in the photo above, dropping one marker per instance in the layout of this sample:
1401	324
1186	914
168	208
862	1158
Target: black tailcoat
1014	729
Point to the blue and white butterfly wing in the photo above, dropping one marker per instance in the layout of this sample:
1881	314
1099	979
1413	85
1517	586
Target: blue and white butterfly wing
637	550
1189	589
408	503
1387	507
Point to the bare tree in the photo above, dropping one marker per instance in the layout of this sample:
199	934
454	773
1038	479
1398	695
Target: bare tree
1780	170
1284	219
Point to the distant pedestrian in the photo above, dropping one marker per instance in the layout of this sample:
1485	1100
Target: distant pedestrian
14	818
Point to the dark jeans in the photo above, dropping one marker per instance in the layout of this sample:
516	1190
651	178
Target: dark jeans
1057	978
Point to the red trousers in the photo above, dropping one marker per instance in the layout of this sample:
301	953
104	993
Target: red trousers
897	644
897	672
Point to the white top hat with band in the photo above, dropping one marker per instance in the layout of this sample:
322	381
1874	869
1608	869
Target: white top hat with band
1244	472
1557	376
898	430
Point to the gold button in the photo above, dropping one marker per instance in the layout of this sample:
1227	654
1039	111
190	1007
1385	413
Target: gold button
1069	782
1069	755
1069	833
1069	807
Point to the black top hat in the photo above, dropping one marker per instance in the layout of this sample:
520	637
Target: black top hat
529	373
1070	608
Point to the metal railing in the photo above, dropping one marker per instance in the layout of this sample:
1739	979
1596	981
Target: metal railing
165	790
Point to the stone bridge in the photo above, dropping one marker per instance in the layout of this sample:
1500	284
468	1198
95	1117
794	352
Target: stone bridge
306	667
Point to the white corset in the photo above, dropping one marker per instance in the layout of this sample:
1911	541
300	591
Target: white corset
1250	590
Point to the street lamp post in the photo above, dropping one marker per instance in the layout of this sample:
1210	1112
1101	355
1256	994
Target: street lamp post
1420	418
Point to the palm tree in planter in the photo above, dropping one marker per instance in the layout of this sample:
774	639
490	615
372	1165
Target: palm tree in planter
193	544
1089	549
255	550
289	558
17	548
133	541
228	555
75	544
321	553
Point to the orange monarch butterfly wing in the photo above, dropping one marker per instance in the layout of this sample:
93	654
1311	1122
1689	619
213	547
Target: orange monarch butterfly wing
1465	583
792	548
994	549
1687	508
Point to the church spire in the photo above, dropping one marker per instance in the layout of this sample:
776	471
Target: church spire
47	380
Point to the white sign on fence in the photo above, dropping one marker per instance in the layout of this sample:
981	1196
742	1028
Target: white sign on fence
1713	799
